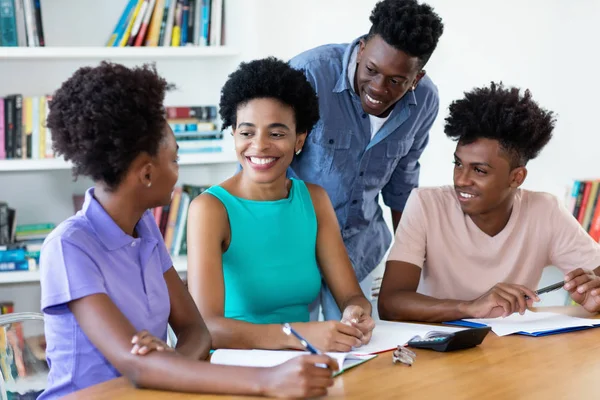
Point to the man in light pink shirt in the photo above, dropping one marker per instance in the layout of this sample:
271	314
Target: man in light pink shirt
478	249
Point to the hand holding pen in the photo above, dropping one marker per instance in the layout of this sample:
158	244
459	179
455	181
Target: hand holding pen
501	300
288	330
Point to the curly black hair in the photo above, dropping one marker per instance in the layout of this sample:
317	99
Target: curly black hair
270	78
408	26
103	117
516	121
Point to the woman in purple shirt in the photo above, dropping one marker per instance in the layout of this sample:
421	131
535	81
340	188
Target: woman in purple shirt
108	285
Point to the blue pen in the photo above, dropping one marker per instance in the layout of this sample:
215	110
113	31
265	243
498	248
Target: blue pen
288	330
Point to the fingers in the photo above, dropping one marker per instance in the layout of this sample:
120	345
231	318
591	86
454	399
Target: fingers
588	286
315	359
144	343
575	273
352	314
576	283
515	295
367	338
349	330
507	301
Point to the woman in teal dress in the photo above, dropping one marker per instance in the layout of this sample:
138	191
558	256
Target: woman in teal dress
260	242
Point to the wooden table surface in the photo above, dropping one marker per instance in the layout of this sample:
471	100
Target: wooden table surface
563	366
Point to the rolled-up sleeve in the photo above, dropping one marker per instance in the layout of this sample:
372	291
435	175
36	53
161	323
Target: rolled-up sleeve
406	175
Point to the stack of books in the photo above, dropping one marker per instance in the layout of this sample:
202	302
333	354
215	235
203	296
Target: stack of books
195	129
22	250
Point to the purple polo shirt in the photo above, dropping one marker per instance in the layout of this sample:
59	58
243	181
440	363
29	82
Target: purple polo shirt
88	254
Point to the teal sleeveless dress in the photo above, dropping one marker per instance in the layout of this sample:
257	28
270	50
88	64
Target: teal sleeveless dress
270	269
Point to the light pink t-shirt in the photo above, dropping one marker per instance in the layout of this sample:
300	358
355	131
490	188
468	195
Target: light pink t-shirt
461	262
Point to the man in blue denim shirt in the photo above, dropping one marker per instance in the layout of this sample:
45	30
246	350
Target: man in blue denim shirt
377	107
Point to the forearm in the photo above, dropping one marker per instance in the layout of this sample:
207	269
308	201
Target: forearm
194	342
411	306
228	333
171	371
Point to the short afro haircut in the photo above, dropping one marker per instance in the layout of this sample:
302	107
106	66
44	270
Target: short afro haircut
407	26
103	117
269	78
515	120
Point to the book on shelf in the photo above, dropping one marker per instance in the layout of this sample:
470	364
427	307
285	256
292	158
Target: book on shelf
195	129
21	23
20	245
583	203
169	23
172	219
23	132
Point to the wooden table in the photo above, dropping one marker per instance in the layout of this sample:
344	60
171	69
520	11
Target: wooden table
565	366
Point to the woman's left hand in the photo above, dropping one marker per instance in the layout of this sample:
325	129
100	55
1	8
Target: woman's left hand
356	316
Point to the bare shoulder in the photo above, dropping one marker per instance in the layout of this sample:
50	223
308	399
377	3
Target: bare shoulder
207	207
317	193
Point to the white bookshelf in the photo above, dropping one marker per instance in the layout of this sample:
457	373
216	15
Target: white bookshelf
16	277
75	33
52	164
114	53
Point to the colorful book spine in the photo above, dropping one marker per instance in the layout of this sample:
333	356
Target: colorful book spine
139	40
125	37
121	24
2	131
8	23
155	22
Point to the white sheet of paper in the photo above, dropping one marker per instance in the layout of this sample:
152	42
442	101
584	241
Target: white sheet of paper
271	358
532	322
388	335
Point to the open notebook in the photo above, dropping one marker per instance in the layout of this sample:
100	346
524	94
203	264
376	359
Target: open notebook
386	336
270	358
531	323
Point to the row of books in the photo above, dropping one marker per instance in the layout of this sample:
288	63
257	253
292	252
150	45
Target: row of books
172	219
169	23
24	135
21	23
23	132
584	205
22	252
195	129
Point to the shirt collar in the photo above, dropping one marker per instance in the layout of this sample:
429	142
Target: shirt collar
344	83
109	233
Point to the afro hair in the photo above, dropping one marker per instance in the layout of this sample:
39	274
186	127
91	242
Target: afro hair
407	26
269	78
515	120
103	117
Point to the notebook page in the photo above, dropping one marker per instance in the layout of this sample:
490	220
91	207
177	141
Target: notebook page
387	335
262	358
532	322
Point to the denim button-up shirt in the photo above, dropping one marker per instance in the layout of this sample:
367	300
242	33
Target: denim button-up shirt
340	155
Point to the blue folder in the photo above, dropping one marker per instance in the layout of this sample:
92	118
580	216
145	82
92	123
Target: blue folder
468	324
